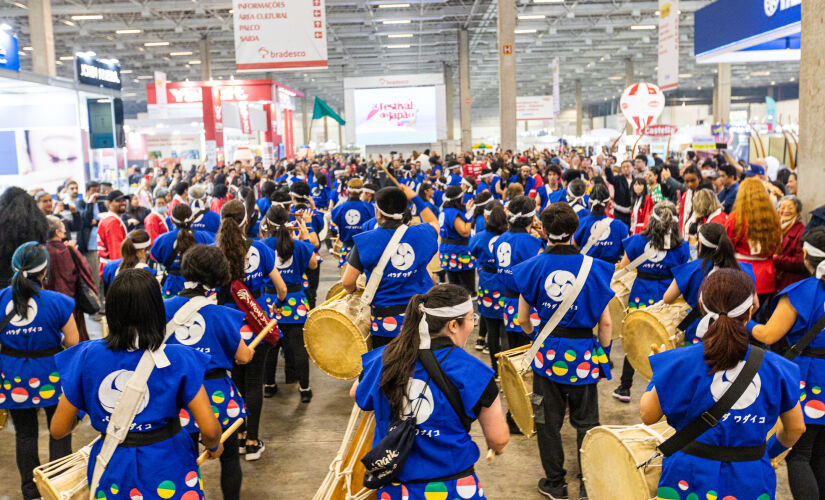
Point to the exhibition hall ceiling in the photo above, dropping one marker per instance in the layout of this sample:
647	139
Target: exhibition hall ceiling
592	39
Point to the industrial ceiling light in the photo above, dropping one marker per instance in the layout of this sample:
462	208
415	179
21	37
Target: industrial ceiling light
393	5
194	62
183	53
524	31
66	58
156	44
398	46
400	35
87	17
548	1
531	16
637	27
396	21
128	32
67	22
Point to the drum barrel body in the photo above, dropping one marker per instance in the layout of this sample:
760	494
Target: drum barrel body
345	480
518	389
617	307
335	335
654	325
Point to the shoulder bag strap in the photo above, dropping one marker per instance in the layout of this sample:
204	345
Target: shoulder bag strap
126	407
597	231
436	373
378	272
796	349
710	418
558	315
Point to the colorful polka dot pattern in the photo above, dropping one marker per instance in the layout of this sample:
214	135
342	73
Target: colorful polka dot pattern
342	259
465	488
294	310
189	488
457	262
490	302
386	326
29	392
227	405
682	487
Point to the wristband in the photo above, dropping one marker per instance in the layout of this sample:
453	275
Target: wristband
749	326
607	349
420	205
774	447
213	450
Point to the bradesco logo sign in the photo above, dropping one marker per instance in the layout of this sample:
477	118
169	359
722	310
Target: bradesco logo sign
771	6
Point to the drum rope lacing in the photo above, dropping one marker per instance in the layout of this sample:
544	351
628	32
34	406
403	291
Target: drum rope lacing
658	437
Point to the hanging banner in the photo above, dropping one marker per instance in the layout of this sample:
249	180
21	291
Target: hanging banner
668	44
280	35
246	123
556	98
535	107
160	88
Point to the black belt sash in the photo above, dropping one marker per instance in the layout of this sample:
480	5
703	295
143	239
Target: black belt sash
38	353
652	277
451	241
216	374
136	439
563	332
462	474
814	352
271	290
488	269
383	312
511	295
725	453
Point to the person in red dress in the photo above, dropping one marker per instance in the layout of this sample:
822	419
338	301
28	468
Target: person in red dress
640	206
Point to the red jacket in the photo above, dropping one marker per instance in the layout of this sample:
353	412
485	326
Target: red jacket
642	215
155	225
111	231
218	203
789	261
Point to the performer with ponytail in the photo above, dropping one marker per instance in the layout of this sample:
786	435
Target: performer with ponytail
715	252
406	272
600	235
730	458
577	197
169	247
443	452
349	217
36	325
293	258
134	252
480	203
456	226
796	310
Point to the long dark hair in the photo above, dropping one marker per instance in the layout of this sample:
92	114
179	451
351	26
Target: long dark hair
231	239
21	221
599	196
182	219
496	218
453	192
206	265
24	286
726	341
277	219
664	220
128	252
135	311
481	198
400	354
641	182
816	238
521	205
721	257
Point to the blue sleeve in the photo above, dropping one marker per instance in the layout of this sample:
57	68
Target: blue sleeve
475	245
523	280
579	236
670	366
630	245
156	250
230	330
70	365
267	259
204	237
64	306
471	377
789	382
192	364
371	362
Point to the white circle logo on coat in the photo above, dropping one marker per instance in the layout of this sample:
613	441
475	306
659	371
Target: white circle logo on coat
504	254
441	219
112	387
31	313
352	217
723	380
771	7
422	404
404	257
492	243
283	264
659	256
192	331
253	260
558	284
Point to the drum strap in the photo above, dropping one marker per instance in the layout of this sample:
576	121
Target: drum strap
692	316
443	382
600	229
798	348
710	418
558	315
378	273
638	261
127	405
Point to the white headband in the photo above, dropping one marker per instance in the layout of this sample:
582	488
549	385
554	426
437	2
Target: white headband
706	242
819	254
141	246
557	237
667	238
354	190
597	202
368	190
482	203
488	211
573	196
177	221
390	216
514	217
465	182
244	217
737	311
455	311
459	195
35	270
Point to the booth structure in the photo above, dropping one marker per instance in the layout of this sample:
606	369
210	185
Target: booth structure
235	117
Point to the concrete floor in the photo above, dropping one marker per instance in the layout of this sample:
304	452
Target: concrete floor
302	440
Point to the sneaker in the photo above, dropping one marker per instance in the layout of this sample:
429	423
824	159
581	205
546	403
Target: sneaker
582	491
270	390
480	344
622	394
254	451
306	395
553	492
486	350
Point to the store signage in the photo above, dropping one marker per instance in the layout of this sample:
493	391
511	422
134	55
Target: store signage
534	107
660	130
668	71
9	57
98	72
190	92
280	35
641	104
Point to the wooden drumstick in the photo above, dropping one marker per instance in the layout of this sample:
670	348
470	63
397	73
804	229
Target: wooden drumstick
490	455
613	146
228	432
389	175
257	340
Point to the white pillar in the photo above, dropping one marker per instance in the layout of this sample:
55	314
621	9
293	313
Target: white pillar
206	60
811	107
723	93
448	86
464	93
42	37
578	108
507	73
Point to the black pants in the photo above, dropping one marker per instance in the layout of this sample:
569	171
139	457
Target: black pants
25	431
295	354
377	341
249	379
622	217
495	334
465	278
441	275
271	367
550	399
231	474
314	277
806	464
627	374
515	339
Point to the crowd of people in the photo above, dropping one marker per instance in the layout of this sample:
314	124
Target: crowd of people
522	246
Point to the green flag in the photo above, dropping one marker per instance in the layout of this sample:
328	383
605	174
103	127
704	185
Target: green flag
322	109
